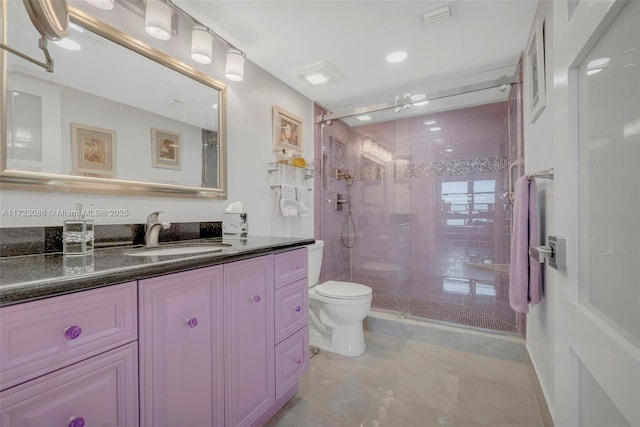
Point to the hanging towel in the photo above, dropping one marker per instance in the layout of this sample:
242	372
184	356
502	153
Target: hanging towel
525	286
288	202
301	198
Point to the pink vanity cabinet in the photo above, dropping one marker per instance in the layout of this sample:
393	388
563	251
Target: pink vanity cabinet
70	360
181	342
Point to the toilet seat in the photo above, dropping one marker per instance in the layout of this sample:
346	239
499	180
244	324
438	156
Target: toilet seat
343	290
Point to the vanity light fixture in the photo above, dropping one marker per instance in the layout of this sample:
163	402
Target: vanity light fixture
102	4
157	19
201	44
234	68
364	118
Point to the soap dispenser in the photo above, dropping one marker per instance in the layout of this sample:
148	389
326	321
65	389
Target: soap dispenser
77	234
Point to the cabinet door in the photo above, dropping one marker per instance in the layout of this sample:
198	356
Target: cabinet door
180	349
249	340
100	391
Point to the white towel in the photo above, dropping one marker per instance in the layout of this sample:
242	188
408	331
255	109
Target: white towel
303	202
288	202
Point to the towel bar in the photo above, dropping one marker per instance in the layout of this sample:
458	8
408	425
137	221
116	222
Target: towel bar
510	195
274	186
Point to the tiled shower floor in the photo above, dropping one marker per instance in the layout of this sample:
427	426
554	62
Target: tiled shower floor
444	312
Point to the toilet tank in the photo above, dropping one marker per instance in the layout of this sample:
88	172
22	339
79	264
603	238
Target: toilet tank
314	254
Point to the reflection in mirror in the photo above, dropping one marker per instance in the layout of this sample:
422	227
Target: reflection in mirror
111	118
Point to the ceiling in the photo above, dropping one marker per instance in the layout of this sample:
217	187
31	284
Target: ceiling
356	36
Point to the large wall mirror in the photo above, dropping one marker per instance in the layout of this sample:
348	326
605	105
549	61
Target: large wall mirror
115	116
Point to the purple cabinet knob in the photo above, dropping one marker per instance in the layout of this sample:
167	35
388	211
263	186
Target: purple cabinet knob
255	298
72	332
75	422
192	322
298	361
298	308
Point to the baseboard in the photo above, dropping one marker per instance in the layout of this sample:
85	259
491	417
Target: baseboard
547	419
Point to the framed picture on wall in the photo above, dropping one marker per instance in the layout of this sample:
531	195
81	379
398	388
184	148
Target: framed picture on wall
287	131
534	74
93	151
165	149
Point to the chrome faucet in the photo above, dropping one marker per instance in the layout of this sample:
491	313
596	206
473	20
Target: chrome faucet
153	229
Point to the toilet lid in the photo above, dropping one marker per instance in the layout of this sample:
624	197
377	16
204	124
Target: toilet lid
343	290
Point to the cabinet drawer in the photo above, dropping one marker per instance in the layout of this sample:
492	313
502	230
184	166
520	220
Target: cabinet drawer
292	360
100	391
41	336
290	266
292	308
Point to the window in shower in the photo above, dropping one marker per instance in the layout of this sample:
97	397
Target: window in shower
468	202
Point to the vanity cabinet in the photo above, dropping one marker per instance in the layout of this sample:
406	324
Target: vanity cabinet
214	346
181	342
71	359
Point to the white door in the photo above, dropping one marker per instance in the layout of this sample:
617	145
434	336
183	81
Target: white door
597	357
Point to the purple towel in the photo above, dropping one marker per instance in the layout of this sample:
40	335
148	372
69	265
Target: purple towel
525	286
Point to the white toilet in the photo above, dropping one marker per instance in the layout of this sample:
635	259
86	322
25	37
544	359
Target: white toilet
336	310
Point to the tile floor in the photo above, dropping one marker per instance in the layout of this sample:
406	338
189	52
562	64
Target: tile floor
402	383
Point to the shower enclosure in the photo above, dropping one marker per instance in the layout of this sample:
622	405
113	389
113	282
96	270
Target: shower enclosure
412	204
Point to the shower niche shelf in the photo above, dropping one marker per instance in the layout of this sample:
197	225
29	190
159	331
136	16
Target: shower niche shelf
275	167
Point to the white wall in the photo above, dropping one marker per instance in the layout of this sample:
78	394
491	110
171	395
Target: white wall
541	152
249	149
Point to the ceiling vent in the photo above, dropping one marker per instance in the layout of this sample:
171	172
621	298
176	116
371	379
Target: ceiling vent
318	73
434	16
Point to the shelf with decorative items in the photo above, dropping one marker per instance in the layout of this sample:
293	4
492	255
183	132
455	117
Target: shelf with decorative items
275	167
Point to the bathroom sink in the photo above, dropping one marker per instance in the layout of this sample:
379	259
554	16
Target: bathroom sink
185	249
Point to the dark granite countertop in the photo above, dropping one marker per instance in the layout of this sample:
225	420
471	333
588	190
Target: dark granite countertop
31	277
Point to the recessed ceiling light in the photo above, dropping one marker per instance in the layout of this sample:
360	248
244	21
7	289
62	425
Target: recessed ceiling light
430	122
397	56
418	97
215	106
435	129
598	63
68	44
449	150
364	118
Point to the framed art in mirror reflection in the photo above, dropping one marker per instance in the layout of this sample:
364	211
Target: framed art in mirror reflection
93	151
165	149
